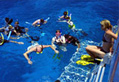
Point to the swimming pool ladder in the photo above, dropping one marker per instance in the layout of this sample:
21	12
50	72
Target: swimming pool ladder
98	72
114	66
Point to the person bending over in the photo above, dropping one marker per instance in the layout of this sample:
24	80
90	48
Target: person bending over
36	48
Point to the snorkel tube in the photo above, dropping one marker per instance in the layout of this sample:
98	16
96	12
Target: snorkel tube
47	19
9	35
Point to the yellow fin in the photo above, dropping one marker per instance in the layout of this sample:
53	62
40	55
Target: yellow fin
83	62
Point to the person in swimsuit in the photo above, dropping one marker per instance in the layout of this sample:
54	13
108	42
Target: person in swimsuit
62	40
65	17
39	22
6	41
8	27
19	30
71	25
73	40
36	48
58	39
65	14
109	36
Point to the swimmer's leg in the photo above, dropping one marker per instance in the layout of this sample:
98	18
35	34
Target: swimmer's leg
95	51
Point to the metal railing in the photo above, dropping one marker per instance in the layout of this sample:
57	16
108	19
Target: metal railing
115	60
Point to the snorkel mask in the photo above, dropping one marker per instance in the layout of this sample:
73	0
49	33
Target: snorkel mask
39	52
58	35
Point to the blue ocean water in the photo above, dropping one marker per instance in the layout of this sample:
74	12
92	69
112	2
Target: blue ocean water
85	14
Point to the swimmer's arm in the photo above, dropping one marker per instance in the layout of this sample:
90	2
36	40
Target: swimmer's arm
78	45
63	40
26	54
112	34
27	35
53	40
45	46
45	22
16	42
16	32
60	17
14	37
34	23
2	28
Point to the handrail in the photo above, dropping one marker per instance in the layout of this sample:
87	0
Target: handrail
114	69
115	60
99	71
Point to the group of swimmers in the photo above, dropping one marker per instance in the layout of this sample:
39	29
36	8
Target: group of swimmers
59	39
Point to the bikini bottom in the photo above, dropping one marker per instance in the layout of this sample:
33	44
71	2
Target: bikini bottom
104	50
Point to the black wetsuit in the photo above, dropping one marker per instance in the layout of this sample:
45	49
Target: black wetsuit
19	29
71	39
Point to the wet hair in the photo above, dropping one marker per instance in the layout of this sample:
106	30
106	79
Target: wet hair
42	20
16	22
65	13
57	81
58	31
106	24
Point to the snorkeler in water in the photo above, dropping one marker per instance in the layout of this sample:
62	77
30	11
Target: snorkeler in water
36	48
71	25
62	40
40	22
72	40
59	40
65	17
2	41
19	30
7	26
